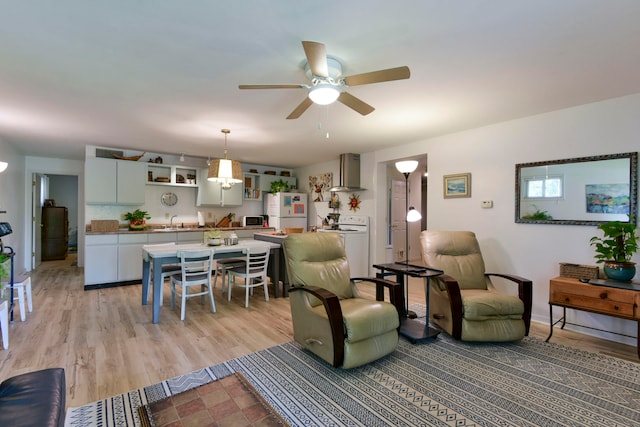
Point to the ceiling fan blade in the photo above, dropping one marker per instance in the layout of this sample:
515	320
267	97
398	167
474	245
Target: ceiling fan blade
390	74
297	112
355	103
317	58
269	86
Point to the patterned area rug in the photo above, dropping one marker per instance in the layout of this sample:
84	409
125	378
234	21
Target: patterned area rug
438	383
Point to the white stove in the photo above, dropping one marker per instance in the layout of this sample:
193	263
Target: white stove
354	231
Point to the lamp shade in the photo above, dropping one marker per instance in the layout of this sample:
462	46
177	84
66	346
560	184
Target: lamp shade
406	166
225	171
324	94
413	215
3	166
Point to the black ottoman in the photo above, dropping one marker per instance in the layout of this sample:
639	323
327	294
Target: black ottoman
34	399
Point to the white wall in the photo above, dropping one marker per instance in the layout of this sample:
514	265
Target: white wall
12	200
490	154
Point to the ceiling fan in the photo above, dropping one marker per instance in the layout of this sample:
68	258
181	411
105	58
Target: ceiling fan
328	85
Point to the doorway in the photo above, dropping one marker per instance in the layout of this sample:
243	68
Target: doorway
61	191
396	232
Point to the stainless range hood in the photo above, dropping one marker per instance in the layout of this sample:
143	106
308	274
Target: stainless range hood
349	173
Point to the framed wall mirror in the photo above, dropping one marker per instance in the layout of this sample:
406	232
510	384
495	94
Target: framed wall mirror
579	191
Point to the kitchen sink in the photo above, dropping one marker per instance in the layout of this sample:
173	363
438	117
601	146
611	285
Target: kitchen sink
168	229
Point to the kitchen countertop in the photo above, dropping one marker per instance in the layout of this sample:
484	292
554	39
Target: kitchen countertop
160	229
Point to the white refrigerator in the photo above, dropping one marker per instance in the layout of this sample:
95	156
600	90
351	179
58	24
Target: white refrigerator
286	210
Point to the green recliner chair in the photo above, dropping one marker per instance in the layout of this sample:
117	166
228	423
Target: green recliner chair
330	317
463	302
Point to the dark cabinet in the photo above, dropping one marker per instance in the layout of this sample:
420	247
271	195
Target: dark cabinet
55	233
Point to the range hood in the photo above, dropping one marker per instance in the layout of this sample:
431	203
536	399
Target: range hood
349	173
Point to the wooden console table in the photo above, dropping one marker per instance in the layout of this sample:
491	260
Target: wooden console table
617	299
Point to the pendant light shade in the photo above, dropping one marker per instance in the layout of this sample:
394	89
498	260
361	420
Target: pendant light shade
226	172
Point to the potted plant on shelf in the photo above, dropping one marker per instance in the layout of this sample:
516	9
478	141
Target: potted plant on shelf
616	248
137	219
279	186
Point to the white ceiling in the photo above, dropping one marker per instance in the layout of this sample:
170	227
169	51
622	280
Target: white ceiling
162	76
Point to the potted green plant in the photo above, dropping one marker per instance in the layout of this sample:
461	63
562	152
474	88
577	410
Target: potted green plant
279	186
137	219
214	237
616	248
3	274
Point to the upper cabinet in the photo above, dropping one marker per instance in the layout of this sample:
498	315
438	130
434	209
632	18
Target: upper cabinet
118	182
211	193
181	176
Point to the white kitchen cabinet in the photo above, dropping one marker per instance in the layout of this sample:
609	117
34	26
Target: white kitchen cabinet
164	237
101	259
190	237
211	193
130	256
114	182
130	183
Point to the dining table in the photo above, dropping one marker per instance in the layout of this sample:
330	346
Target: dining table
158	255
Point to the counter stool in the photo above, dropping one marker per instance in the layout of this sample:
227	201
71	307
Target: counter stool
4	323
21	286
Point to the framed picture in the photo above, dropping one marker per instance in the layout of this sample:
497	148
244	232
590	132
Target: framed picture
458	185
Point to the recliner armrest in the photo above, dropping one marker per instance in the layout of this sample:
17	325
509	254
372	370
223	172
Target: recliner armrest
331	304
525	293
395	291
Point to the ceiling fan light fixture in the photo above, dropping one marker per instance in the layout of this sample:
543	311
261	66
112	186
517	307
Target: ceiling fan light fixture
324	94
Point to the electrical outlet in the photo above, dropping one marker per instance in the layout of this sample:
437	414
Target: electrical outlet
486	204
209	215
167	216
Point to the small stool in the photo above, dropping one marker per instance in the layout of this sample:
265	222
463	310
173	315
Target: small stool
4	323
22	284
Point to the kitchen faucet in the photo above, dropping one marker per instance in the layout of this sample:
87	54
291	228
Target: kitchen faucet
171	220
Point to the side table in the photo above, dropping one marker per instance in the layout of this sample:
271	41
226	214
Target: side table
411	329
608	297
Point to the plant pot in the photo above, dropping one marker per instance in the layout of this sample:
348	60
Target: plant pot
623	271
137	225
215	241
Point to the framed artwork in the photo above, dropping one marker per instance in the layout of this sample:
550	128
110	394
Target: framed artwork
608	198
318	185
457	185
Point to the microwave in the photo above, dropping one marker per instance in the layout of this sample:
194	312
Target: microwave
249	221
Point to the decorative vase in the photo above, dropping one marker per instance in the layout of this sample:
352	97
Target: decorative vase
622	271
214	241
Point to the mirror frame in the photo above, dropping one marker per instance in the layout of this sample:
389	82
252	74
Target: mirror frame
633	180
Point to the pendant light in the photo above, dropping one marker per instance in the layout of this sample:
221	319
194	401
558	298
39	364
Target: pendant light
226	172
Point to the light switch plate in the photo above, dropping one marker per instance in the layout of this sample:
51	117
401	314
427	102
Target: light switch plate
486	204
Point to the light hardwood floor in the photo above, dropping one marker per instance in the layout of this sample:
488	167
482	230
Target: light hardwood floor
107	344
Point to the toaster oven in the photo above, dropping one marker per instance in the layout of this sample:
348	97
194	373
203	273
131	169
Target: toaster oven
252	221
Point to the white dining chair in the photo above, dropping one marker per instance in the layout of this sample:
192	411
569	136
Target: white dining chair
4	323
21	292
253	273
222	267
195	269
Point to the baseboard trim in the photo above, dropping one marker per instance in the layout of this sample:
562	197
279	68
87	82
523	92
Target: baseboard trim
111	285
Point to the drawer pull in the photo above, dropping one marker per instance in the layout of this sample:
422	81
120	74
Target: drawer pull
603	295
567	299
615	307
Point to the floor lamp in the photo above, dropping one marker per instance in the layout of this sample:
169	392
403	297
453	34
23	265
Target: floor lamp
406	167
